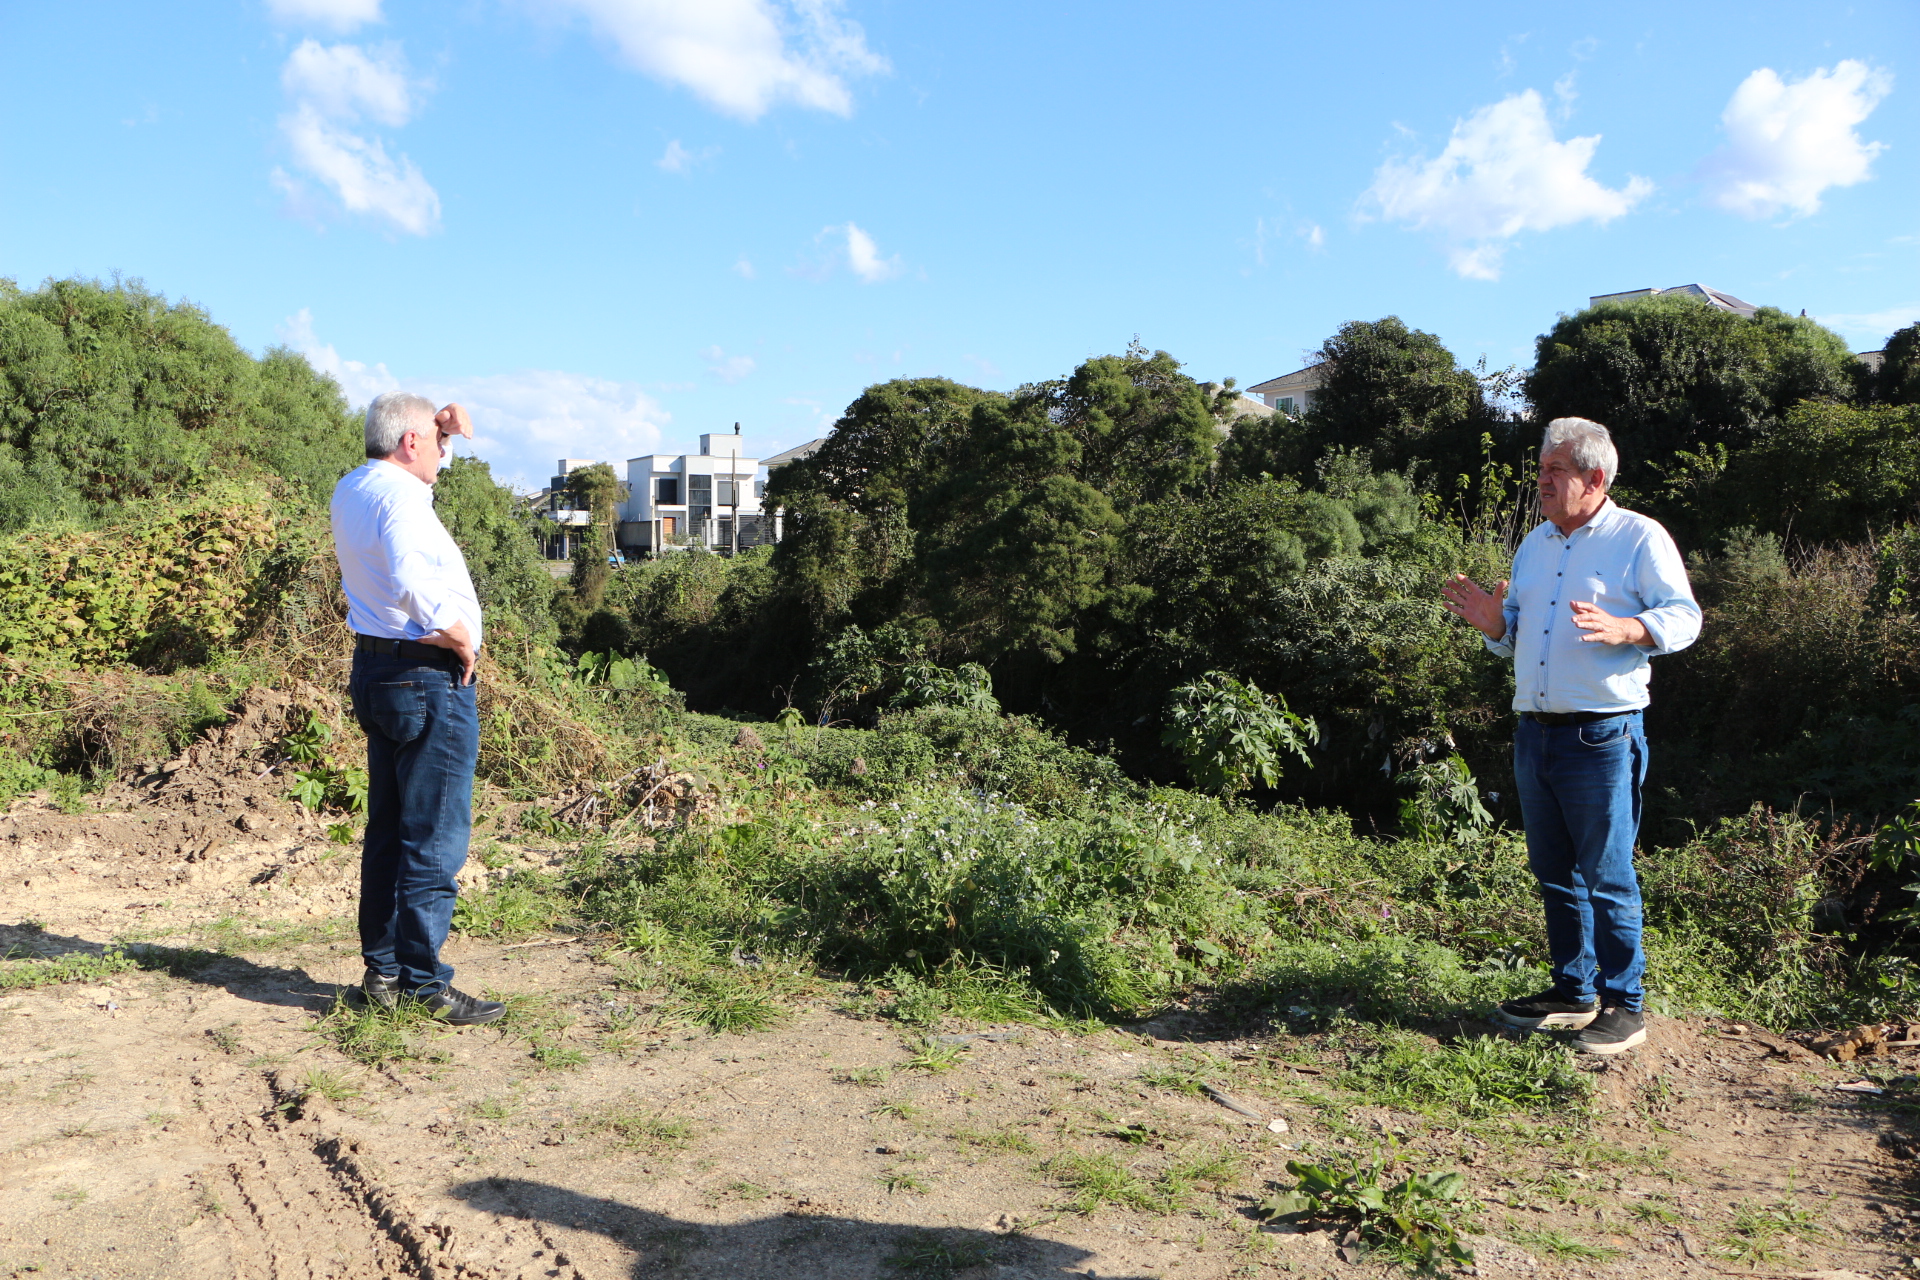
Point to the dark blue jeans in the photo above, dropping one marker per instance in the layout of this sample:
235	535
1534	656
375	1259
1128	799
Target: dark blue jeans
423	740
1580	799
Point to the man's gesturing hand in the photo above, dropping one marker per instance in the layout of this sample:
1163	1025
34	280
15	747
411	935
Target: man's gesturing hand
1484	609
453	421
1603	628
458	639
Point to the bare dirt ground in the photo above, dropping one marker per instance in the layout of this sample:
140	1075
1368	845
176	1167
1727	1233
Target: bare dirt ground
200	1123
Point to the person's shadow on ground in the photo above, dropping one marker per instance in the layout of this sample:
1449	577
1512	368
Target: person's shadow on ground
791	1246
236	975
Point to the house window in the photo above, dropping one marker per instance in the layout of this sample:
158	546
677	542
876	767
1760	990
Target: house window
1285	405
724	495
759	488
699	497
667	491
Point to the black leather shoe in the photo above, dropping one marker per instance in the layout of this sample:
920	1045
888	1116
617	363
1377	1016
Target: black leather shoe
1616	1030
382	993
1551	1008
459	1009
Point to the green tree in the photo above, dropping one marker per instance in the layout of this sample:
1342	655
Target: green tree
599	492
1397	393
108	394
499	538
1898	381
1673	374
849	544
1015	546
1828	473
1145	430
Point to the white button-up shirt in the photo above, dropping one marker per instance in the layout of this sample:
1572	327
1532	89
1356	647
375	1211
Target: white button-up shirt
403	573
1627	565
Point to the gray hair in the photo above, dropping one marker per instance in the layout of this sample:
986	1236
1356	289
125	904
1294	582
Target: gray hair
1592	446
391	416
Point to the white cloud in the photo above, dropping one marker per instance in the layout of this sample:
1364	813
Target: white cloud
743	268
360	173
522	421
360	382
1787	143
677	159
725	367
1870	330
345	82
1564	93
340	15
863	256
333	90
742	56
1316	238
1502	173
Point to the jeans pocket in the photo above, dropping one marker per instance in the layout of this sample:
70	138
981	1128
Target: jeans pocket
1604	733
396	709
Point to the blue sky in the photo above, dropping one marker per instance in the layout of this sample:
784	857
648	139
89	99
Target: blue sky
610	225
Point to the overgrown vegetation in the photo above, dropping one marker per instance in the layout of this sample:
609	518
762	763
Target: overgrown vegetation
1005	626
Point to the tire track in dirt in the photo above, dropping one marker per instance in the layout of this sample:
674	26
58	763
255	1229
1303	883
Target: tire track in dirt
308	1204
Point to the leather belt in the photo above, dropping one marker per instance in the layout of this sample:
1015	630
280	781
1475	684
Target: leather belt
412	650
1571	717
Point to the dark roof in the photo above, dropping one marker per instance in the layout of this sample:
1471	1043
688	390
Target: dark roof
794	454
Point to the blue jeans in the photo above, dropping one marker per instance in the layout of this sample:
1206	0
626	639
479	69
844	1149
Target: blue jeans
423	740
1580	799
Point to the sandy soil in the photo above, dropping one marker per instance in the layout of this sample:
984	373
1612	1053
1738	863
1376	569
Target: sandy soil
177	1125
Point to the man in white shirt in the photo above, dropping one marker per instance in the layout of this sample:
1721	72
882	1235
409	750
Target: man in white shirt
416	620
1596	592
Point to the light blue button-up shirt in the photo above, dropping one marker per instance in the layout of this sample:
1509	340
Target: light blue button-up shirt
1627	565
403	573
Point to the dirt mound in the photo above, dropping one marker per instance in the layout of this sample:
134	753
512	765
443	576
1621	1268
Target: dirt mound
210	832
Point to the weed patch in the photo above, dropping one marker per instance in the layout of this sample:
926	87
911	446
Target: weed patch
1478	1077
523	904
1758	1232
926	1255
1559	1245
1095	1181
635	1129
1417	1220
936	1057
371	1035
723	1002
26	974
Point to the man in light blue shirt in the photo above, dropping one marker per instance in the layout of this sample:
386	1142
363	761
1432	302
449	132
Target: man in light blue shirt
1596	593
416	623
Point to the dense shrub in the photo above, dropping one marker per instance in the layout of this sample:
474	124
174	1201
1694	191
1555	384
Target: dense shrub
167	583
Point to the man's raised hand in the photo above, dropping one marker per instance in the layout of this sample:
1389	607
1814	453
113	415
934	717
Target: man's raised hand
1486	610
453	421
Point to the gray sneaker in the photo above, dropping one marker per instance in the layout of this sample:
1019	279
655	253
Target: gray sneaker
1616	1030
1551	1008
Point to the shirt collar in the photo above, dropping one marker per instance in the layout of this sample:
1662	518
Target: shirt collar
1601	519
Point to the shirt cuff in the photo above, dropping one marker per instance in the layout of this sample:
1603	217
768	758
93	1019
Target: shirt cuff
1503	647
1656	632
442	619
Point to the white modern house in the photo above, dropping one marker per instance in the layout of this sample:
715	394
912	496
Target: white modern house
1290	393
555	506
709	499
